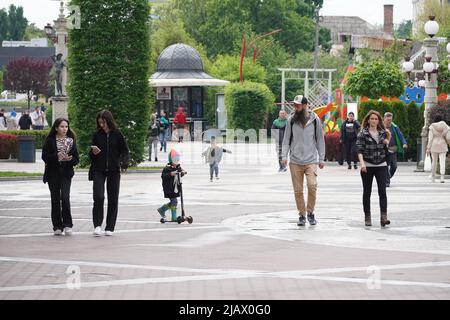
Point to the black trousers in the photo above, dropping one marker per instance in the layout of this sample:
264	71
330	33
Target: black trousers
112	187
350	151
380	174
59	186
391	159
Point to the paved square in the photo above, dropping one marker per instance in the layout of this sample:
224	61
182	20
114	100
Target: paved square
244	243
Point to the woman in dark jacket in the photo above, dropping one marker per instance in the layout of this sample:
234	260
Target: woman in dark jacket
60	156
372	148
109	155
349	133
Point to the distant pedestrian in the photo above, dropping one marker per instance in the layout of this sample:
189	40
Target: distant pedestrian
60	156
279	128
109	156
349	133
213	156
371	145
438	146
38	118
304	142
154	133
180	123
3	124
397	144
25	121
163	127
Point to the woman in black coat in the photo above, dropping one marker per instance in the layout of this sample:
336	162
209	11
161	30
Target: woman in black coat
60	155
109	155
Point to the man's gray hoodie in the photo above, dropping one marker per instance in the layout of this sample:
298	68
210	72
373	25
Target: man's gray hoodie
304	148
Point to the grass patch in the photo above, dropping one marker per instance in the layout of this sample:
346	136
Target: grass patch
11	174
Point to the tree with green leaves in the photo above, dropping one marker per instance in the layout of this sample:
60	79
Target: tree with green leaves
109	69
17	23
33	32
221	24
4	25
404	30
375	79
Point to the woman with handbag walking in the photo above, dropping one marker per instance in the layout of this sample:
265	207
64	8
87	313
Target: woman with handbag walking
60	156
438	139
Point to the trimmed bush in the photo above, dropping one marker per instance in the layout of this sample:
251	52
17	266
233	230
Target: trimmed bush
415	121
248	105
8	146
109	69
40	135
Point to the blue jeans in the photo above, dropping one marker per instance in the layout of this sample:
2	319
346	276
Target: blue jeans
163	139
214	168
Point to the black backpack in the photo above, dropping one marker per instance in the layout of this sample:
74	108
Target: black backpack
292	131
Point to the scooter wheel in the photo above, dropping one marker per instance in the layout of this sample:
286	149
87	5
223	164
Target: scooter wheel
163	221
180	220
190	220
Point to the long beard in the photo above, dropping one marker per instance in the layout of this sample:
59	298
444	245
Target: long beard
300	117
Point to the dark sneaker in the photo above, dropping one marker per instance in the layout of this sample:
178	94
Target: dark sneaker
301	221
349	167
355	166
312	221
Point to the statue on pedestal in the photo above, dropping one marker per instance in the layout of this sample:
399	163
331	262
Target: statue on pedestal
59	67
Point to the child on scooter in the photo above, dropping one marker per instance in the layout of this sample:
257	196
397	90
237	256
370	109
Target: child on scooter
171	184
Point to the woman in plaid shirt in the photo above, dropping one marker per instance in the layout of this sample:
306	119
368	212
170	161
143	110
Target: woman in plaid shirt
372	144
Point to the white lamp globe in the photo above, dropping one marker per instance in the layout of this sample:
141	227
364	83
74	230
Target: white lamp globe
422	83
431	27
408	66
428	67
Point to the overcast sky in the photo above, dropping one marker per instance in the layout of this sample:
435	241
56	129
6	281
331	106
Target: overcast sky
43	11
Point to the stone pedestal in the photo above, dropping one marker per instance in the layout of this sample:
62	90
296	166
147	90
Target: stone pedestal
60	108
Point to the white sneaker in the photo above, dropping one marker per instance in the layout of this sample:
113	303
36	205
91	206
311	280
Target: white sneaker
109	233
57	233
68	231
442	179
98	232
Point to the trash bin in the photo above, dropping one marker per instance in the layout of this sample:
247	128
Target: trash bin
26	146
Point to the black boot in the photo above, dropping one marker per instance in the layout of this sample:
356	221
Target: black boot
368	220
384	220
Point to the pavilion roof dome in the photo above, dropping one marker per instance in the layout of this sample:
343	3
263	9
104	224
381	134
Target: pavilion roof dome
179	57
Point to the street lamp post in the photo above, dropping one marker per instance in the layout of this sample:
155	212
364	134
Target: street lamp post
59	35
430	83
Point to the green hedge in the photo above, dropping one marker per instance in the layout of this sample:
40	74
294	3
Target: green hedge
109	69
408	117
39	134
248	105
